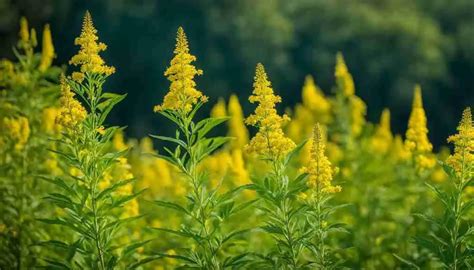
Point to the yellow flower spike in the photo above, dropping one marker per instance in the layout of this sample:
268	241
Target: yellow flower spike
18	129
33	39
182	95
270	141
219	109
146	145
313	98
417	142
382	139
24	30
47	53
88	57
358	112
319	169
118	141
237	128
72	112
344	79
462	160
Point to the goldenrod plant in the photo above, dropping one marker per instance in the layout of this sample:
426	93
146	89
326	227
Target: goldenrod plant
320	188
205	210
28	89
94	195
450	240
283	214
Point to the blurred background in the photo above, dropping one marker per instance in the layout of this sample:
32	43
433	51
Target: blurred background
389	45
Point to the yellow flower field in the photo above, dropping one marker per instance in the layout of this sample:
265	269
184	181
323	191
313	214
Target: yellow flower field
317	187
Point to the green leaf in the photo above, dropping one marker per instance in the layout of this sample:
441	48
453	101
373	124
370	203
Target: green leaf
234	234
180	233
134	246
106	106
59	183
204	126
293	153
405	261
144	261
112	262
114	187
171	205
170	139
270	228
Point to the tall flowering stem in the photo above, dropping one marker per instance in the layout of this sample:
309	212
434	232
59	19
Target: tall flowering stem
320	176
206	211
349	109
94	189
450	243
276	191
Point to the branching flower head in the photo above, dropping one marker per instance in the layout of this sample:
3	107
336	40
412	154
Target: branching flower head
319	169
183	93
88	56
313	98
270	141
47	53
382	139
462	160
72	112
417	141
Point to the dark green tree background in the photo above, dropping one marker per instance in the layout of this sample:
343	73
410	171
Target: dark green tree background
389	46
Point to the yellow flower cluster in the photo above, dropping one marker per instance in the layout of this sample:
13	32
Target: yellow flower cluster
358	112
343	78
47	53
72	112
219	110
462	160
216	166
398	151
237	128
24	30
270	141
417	141
28	39
183	93
18	130
48	123
382	139
319	169
88	56
314	108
